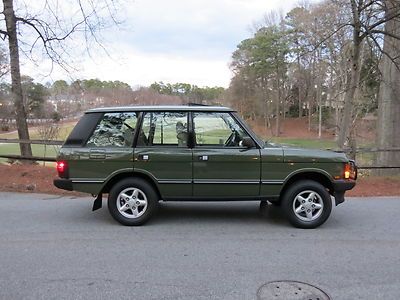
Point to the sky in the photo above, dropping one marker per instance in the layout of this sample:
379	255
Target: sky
172	41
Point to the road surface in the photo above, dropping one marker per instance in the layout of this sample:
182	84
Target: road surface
55	248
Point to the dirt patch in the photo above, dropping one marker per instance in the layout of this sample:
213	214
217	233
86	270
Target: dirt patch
30	179
290	127
38	179
376	186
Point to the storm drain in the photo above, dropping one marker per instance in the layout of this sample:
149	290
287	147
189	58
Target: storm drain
290	290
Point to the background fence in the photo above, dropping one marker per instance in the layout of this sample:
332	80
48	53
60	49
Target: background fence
364	151
32	142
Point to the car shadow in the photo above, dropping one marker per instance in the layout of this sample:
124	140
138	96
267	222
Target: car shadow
218	212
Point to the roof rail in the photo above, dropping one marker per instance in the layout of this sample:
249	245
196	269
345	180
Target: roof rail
196	104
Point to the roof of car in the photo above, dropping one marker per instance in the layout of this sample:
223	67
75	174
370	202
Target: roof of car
161	108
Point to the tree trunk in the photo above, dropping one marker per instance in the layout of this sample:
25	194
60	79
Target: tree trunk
349	97
299	82
389	100
16	88
277	129
354	79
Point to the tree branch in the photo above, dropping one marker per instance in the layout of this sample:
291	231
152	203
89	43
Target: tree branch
387	18
393	59
384	32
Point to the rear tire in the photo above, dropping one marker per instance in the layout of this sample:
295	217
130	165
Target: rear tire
132	201
307	204
263	204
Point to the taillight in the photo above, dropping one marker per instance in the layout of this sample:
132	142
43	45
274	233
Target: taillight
62	169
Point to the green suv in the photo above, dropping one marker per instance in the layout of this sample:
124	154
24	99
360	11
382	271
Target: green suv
141	155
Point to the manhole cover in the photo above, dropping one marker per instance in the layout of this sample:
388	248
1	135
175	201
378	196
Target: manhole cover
290	290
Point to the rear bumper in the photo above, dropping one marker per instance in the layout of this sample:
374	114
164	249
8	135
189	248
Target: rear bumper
64	184
340	187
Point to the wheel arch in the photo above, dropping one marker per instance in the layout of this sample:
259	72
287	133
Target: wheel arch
319	176
137	174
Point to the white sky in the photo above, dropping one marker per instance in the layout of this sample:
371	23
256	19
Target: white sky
172	41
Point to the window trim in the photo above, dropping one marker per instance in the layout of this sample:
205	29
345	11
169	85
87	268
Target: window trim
84	145
219	147
259	143
141	119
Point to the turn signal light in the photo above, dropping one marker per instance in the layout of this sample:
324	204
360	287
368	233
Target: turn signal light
347	171
350	170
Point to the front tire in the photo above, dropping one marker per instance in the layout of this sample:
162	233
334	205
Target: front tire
307	204
132	201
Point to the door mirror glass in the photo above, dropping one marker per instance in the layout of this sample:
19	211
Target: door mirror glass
247	142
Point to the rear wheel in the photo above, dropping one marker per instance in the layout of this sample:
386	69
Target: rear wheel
132	201
307	204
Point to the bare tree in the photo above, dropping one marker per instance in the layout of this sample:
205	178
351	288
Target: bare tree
389	94
4	65
49	30
367	21
48	132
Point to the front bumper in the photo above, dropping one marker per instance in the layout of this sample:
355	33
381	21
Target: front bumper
340	187
64	184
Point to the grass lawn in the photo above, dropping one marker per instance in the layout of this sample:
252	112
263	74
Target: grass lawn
51	151
65	129
38	150
305	143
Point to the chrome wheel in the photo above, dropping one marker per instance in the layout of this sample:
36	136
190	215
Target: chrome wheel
132	203
308	205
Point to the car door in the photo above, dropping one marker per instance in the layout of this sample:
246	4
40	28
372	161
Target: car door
162	152
107	151
222	168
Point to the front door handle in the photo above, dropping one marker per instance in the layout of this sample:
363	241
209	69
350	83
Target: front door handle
203	157
144	157
97	154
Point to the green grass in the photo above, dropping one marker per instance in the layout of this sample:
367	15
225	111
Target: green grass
65	129
305	143
37	150
210	135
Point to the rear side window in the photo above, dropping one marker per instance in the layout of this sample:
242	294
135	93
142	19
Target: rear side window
114	130
164	129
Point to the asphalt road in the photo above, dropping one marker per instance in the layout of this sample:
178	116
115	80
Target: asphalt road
56	248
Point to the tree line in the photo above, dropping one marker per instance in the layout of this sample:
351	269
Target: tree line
337	58
63	99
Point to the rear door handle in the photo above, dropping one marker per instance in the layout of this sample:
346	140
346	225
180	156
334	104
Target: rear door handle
203	157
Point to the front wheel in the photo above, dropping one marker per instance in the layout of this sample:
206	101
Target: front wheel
307	204
132	201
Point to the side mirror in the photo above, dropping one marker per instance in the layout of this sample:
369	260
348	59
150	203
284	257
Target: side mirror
247	142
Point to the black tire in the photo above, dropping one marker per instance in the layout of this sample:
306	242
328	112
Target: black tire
146	193
263	204
303	188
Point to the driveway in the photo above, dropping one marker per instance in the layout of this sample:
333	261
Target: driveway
56	248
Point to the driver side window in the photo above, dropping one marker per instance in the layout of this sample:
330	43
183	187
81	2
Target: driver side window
217	130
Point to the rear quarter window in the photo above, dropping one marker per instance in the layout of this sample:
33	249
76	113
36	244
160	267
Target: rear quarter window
114	130
82	130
